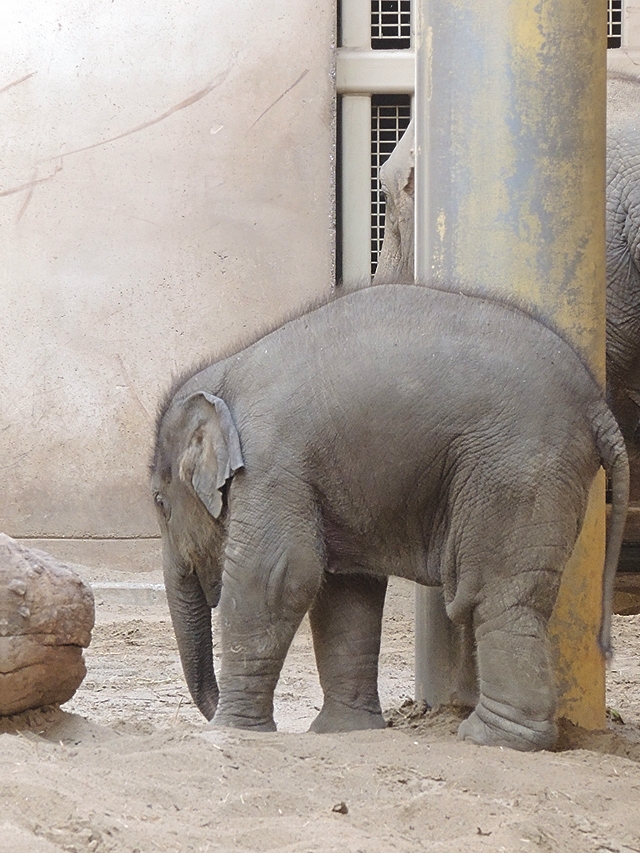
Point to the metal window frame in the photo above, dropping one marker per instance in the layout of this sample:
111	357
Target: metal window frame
360	73
614	23
390	28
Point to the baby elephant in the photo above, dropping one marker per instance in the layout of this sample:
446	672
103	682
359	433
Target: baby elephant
396	430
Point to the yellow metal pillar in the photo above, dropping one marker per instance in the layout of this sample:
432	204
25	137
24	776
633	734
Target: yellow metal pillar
510	160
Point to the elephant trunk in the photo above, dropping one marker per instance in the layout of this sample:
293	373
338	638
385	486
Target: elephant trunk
191	617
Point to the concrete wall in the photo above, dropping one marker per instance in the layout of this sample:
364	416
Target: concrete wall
630	25
166	187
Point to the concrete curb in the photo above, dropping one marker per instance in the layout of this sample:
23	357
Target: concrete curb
131	594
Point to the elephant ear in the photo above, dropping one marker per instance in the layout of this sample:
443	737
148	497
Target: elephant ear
212	455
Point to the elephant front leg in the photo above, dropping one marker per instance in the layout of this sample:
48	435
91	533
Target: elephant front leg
261	606
517	701
346	621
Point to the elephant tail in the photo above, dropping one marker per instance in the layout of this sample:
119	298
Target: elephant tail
613	456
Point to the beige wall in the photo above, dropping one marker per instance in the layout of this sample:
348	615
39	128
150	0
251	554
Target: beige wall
631	25
166	187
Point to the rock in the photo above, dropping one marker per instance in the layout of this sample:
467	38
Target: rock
46	617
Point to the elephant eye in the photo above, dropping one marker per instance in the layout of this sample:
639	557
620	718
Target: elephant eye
162	505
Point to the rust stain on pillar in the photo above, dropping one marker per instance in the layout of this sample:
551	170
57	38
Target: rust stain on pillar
559	65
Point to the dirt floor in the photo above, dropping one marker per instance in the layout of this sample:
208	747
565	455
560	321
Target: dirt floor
128	765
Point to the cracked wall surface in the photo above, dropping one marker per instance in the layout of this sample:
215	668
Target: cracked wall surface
165	190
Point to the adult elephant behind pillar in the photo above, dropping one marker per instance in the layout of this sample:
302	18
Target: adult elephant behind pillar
623	257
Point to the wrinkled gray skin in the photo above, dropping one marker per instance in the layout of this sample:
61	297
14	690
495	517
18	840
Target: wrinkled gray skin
623	253
622	247
396	430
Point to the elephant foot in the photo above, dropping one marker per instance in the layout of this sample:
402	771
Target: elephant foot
233	721
486	728
340	718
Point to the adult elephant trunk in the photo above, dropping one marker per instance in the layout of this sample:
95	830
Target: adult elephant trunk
191	617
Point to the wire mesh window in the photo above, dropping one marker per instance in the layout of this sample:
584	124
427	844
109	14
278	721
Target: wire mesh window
390	115
614	23
390	24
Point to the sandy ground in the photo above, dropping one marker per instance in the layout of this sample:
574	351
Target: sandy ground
128	765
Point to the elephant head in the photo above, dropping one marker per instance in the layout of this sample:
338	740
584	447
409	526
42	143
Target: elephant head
397	181
197	453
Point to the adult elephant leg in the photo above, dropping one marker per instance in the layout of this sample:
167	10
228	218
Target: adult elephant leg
346	622
517	691
267	587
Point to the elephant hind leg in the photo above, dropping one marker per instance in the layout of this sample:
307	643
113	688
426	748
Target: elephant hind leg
346	622
489	725
517	701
